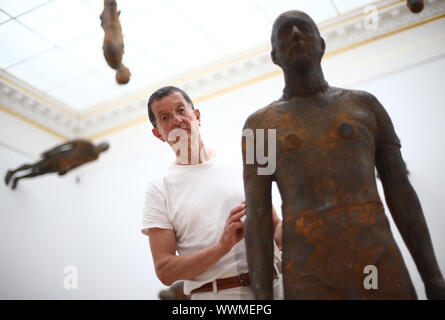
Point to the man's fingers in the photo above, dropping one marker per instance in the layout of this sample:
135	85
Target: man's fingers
236	216
235	226
238	208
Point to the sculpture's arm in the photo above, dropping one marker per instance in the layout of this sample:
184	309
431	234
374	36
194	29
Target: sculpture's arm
404	204
259	228
60	148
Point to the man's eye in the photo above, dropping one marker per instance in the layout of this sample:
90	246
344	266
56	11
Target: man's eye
165	117
182	110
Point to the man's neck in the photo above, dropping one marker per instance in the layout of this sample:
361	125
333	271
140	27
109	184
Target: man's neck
304	82
196	155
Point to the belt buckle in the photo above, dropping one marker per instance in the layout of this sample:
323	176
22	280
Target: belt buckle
241	280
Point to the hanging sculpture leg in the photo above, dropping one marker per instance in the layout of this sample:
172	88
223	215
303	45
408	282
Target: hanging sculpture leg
10	173
29	175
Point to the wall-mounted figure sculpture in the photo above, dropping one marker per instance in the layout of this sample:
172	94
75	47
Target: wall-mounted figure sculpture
113	46
415	6
327	143
60	159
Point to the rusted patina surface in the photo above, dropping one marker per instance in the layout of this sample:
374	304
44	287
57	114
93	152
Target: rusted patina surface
174	292
328	143
113	46
60	159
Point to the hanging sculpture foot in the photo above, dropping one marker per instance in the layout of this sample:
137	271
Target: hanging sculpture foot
14	183
8	176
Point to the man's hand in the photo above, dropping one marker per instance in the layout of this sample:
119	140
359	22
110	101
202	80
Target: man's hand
277	227
234	228
435	289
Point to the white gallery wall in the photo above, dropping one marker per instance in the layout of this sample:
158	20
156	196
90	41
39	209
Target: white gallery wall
90	218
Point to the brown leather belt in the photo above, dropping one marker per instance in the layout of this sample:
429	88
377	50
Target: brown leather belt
241	280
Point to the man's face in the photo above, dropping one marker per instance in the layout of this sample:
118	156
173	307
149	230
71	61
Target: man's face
295	41
174	112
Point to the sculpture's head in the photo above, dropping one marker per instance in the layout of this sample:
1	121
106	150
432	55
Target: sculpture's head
122	74
296	41
415	6
102	147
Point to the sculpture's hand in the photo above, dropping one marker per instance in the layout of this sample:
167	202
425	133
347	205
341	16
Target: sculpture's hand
435	289
234	228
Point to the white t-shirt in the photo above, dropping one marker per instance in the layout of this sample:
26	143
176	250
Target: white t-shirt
195	201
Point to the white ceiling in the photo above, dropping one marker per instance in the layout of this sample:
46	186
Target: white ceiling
56	46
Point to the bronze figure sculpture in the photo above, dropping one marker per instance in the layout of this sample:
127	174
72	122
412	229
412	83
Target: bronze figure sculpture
415	6
328	142
60	159
113	46
174	292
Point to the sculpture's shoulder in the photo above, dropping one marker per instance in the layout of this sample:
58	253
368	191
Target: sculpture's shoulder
80	144
259	118
364	98
85	147
361	99
360	96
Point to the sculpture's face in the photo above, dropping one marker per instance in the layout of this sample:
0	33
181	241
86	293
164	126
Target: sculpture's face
174	112
296	42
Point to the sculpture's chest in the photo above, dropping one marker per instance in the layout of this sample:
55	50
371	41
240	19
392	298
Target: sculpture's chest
310	128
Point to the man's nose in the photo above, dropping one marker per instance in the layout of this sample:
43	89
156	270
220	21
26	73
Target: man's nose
176	119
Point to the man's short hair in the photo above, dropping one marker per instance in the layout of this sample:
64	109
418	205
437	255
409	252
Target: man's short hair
161	93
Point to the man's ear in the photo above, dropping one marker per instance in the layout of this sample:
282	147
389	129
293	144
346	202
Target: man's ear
156	133
274	58
198	115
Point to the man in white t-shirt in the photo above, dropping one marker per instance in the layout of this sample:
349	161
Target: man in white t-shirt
197	209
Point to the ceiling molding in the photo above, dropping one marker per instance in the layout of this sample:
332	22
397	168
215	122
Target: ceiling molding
36	111
341	34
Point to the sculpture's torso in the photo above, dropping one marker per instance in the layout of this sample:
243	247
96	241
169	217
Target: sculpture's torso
334	222
325	152
78	153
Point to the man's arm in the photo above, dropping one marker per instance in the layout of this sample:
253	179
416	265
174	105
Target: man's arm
404	204
171	267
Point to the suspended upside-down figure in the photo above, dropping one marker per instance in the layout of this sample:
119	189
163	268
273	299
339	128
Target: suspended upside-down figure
60	159
113	46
